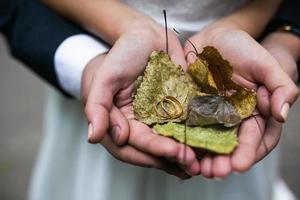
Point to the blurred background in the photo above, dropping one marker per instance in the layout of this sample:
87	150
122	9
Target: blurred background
21	122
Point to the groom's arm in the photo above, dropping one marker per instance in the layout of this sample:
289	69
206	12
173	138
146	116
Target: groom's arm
52	47
289	12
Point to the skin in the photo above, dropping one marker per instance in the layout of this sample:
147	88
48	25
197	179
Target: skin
134	36
115	110
138	150
255	142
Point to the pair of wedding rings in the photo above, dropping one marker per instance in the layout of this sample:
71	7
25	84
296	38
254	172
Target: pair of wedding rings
169	108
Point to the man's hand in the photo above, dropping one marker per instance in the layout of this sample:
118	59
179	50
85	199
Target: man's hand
253	66
107	88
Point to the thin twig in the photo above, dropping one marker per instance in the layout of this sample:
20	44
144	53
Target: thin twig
166	30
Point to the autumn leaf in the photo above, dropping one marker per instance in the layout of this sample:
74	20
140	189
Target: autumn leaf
213	74
206	102
217	139
212	110
164	91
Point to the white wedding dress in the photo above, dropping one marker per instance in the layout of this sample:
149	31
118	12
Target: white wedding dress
69	168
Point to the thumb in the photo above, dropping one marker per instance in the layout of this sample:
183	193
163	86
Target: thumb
283	90
282	98
99	104
177	54
119	127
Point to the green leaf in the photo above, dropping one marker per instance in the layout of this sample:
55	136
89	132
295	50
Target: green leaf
217	139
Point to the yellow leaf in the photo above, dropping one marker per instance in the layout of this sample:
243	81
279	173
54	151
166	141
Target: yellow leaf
163	92
244	102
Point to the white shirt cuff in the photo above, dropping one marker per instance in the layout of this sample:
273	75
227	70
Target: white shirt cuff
71	57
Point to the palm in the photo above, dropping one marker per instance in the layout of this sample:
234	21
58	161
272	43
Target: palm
114	80
257	135
141	135
243	52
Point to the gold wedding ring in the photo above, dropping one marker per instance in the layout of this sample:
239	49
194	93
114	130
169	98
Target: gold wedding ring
167	112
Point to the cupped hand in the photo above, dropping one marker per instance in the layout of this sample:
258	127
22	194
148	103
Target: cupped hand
253	67
108	103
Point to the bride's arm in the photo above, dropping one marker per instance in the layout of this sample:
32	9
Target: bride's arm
252	17
108	19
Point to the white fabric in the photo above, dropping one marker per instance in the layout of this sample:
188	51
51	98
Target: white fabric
71	57
70	168
282	191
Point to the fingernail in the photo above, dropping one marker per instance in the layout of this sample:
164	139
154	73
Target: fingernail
115	133
284	111
90	132
193	169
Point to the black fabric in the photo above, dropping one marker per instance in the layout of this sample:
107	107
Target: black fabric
34	33
7	7
289	12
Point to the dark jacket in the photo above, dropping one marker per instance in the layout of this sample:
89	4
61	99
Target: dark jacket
34	33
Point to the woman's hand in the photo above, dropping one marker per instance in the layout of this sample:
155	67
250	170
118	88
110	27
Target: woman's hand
108	102
252	66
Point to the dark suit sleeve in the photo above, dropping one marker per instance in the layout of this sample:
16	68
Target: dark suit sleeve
289	12
34	33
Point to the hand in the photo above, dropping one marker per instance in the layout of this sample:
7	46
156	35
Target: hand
252	65
108	100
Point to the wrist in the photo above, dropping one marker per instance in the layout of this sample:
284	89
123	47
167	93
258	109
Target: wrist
284	47
88	75
251	18
146	27
219	29
135	23
116	19
285	40
150	35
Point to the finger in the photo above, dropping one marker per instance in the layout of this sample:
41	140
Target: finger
206	166
250	137
177	54
119	127
190	51
176	170
221	166
97	110
142	138
284	91
281	100
192	169
108	80
99	102
270	139
263	101
96	114
132	156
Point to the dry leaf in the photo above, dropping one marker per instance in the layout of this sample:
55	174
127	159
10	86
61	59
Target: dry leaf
213	72
244	102
216	139
202	76
204	97
164	92
212	110
220	69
